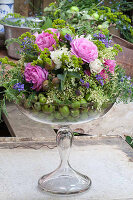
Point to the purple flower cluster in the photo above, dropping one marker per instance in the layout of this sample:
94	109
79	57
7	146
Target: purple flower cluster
100	79
78	93
101	37
87	85
25	44
68	37
19	87
129	79
125	77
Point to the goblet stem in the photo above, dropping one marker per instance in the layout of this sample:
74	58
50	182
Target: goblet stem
64	180
64	142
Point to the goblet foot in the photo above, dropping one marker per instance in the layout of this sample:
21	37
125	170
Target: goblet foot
66	181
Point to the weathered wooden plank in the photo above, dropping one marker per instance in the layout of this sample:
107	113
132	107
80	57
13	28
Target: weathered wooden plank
21	126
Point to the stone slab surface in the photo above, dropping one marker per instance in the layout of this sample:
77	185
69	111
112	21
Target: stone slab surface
108	161
118	121
21	126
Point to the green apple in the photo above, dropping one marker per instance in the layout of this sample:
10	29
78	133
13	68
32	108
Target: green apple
100	27
64	111
27	104
70	118
48	108
74	9
84	116
75	113
65	31
84	111
83	103
37	106
40	95
95	16
75	104
34	99
58	116
42	100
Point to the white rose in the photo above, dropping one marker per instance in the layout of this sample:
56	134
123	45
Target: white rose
96	66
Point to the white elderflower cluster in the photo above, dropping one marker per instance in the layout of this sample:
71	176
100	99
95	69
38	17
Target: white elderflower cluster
88	37
71	67
107	53
56	56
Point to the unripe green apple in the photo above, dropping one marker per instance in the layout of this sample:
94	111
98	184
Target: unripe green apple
74	9
75	113
64	111
58	116
27	104
65	31
75	104
37	106
84	111
70	118
40	95
95	16
48	108
42	100
100	27
83	103
84	116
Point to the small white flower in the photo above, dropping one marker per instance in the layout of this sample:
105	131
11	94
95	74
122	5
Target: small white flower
82	36
39	58
56	56
89	37
96	66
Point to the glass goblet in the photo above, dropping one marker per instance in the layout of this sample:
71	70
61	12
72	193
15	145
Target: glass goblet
64	180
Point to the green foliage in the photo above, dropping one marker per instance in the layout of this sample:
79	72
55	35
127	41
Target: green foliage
65	5
129	140
124	86
121	21
85	23
47	24
62	77
123	5
2	108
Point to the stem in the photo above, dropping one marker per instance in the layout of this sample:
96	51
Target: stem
64	143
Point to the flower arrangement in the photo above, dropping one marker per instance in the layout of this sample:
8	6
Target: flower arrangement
65	74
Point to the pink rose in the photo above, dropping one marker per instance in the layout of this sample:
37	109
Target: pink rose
46	40
35	75
85	49
110	66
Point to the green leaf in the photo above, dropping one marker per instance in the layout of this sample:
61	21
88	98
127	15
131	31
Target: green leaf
62	77
4	110
74	74
57	100
47	24
129	140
